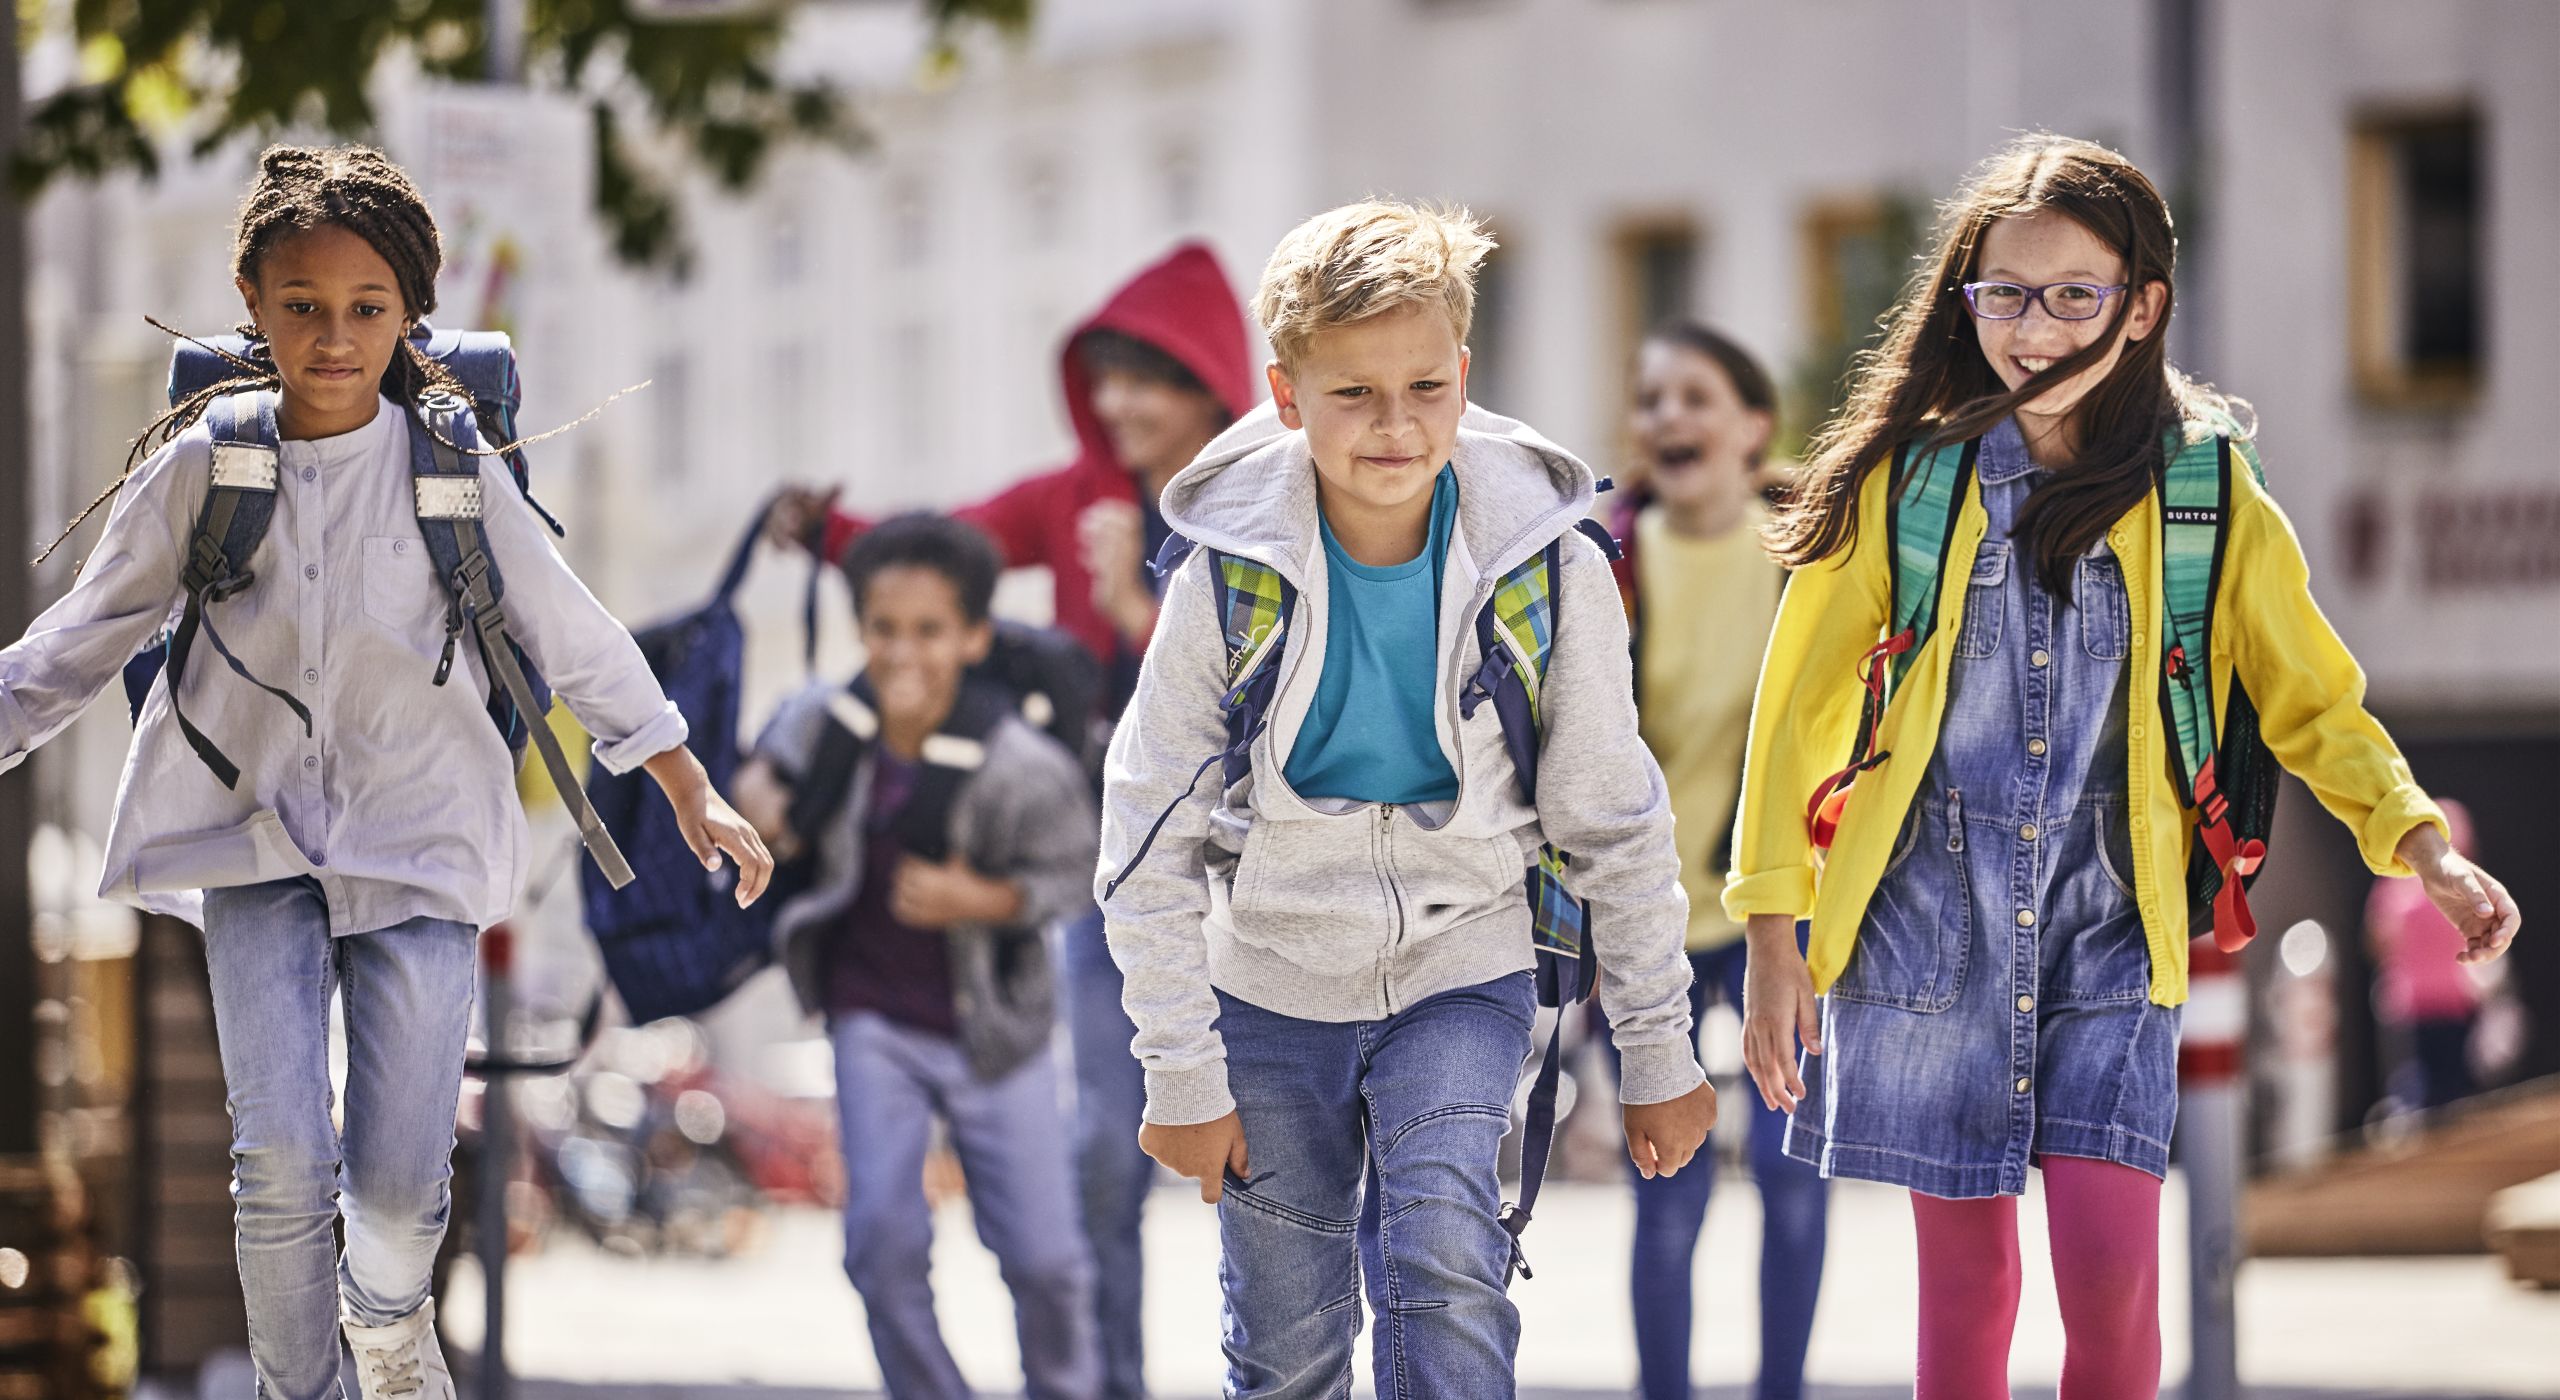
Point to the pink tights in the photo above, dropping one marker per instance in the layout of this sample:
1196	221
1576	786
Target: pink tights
2105	1224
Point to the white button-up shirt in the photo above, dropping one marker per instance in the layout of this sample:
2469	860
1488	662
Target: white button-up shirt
401	800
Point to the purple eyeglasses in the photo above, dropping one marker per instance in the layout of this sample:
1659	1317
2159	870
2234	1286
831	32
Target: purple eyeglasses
2063	301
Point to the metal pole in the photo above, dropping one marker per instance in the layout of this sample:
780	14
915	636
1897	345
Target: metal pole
18	1092
506	41
2211	1119
497	1157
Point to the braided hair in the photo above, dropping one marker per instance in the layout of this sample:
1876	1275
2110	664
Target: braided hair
300	188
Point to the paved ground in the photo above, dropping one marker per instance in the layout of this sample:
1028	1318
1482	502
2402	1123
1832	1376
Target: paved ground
783	1325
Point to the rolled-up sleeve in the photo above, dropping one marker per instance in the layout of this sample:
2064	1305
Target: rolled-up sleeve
584	652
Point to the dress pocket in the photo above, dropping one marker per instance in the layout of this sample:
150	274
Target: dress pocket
2099	602
1984	602
1917	937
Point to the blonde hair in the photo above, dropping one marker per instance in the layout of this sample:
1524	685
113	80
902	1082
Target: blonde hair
1362	260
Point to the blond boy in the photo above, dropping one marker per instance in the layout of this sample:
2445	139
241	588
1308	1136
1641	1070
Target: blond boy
1329	963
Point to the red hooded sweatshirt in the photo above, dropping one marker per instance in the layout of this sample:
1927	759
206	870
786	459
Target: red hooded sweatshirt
1182	305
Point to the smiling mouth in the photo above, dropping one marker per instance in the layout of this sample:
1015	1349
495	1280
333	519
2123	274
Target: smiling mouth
1672	459
2033	364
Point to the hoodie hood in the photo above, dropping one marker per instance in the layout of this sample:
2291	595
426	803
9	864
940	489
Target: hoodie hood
1252	492
1183	305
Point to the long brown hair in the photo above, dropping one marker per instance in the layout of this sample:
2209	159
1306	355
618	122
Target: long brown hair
1928	381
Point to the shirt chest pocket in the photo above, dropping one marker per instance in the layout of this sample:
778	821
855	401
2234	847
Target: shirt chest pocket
399	588
2098	598
1984	602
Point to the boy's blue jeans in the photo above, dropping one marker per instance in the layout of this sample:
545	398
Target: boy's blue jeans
1112	1171
1417	1104
295	1173
892	1081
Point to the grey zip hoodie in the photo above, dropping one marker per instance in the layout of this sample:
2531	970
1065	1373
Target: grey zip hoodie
1332	910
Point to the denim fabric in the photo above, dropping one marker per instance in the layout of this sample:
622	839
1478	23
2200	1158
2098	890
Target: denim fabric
1795	1207
407	991
1112	1171
1417	1105
1996	1007
892	1081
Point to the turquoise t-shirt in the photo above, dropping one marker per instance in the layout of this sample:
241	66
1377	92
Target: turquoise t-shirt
1369	736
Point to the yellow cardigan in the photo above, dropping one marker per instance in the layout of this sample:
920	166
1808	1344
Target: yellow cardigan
2308	689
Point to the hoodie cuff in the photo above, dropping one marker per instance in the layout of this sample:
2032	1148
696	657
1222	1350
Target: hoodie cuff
2403	810
1655	1073
1786	890
1176	1097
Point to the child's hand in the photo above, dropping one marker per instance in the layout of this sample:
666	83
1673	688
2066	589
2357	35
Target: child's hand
1662	1137
798	516
2468	896
1203	1152
1113	539
1778	1008
929	896
710	826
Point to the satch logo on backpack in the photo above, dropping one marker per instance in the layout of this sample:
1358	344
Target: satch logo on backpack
2225	773
444	435
1515	635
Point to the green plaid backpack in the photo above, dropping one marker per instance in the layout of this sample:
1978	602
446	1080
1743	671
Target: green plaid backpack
1515	632
2224	770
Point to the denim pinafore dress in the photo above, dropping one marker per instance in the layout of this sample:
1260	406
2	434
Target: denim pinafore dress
1997	1006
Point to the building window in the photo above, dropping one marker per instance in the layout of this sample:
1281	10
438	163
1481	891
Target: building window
911	368
787	399
1490	341
2415	259
910	222
1855	255
1041	193
1178	184
1655	272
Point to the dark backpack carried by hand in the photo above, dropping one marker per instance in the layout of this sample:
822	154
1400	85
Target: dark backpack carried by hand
447	487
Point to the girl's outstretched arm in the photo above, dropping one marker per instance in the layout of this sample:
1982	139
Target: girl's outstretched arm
710	825
125	592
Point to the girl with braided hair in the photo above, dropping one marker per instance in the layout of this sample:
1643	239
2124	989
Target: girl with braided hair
359	849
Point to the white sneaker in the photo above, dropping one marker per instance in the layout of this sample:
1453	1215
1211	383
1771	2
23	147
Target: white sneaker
401	1360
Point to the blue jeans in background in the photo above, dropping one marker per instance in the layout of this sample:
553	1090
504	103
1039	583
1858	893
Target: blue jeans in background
295	1173
1417	1104
1112	1173
892	1081
1671	1210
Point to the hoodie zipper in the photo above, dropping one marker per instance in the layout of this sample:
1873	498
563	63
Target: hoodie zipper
1395	895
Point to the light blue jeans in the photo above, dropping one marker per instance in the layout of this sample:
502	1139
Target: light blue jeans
295	1172
892	1081
1413	1108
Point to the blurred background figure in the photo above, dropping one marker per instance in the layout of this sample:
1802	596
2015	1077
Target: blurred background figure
2428	1004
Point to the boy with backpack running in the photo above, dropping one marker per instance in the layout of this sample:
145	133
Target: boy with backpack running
348	831
1147	380
1329	960
944	833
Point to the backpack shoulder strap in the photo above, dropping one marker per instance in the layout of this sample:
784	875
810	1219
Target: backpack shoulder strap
449	497
951	756
1921	513
2195	501
819	790
239	504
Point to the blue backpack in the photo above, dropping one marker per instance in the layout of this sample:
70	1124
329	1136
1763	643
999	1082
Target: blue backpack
1515	632
240	503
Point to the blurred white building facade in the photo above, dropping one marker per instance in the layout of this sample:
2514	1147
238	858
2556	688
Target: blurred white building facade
2366	190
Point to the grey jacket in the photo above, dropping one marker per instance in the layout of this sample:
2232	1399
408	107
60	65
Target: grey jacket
1025	816
1333	910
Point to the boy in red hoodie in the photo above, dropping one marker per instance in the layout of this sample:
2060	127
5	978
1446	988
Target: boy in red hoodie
1155	374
